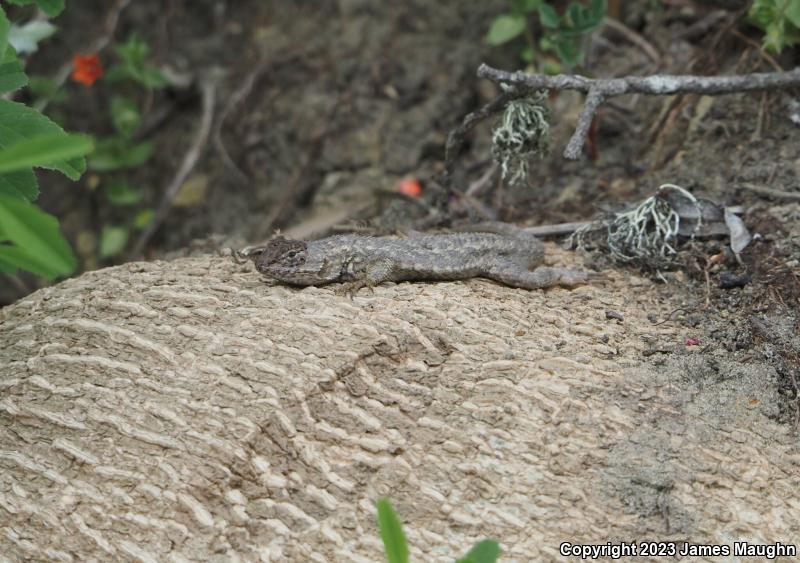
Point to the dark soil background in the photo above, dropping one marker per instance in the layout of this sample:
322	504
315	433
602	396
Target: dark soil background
322	107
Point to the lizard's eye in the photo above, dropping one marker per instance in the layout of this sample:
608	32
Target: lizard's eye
294	256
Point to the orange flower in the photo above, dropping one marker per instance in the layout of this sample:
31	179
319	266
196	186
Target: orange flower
410	187
87	69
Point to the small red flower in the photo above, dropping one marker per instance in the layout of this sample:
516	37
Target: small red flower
87	69
692	341
410	187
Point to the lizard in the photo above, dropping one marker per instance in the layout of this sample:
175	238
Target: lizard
510	256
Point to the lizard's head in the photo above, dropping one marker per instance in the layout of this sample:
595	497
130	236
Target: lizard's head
281	256
288	261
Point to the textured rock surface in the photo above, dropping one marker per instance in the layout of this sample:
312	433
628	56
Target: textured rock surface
185	410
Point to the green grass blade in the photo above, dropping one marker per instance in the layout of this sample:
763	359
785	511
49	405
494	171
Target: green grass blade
485	551
394	540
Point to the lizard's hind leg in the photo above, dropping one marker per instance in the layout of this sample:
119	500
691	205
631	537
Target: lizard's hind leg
512	274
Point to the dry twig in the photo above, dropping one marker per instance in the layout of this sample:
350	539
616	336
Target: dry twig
476	188
598	90
635	38
771	192
556	229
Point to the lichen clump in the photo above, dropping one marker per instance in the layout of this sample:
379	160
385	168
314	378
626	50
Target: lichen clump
647	234
522	134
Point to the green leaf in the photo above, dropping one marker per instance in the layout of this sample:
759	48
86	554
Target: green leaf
113	241
527	54
18	122
116	153
775	37
125	115
11	73
485	551
151	77
134	67
21	184
5	26
569	52
13	258
582	19
26	38
121	193
394	540
527	6
37	245
134	50
50	7
761	13
573	17
43	151
780	21
548	16
143	219
598	10
505	28
7	267
792	13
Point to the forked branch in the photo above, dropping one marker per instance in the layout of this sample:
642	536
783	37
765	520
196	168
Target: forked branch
598	90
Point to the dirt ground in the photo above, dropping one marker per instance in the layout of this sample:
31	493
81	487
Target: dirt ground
323	107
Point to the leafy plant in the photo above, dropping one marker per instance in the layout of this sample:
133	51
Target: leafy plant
780	21
561	34
133	66
121	151
395	544
30	238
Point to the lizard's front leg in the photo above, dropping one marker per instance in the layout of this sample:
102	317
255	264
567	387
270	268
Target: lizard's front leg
369	274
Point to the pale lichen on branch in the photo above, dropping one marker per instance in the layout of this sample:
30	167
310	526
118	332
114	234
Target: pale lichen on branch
523	133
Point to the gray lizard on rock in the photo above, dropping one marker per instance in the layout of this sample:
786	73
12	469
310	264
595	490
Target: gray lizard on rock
512	257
